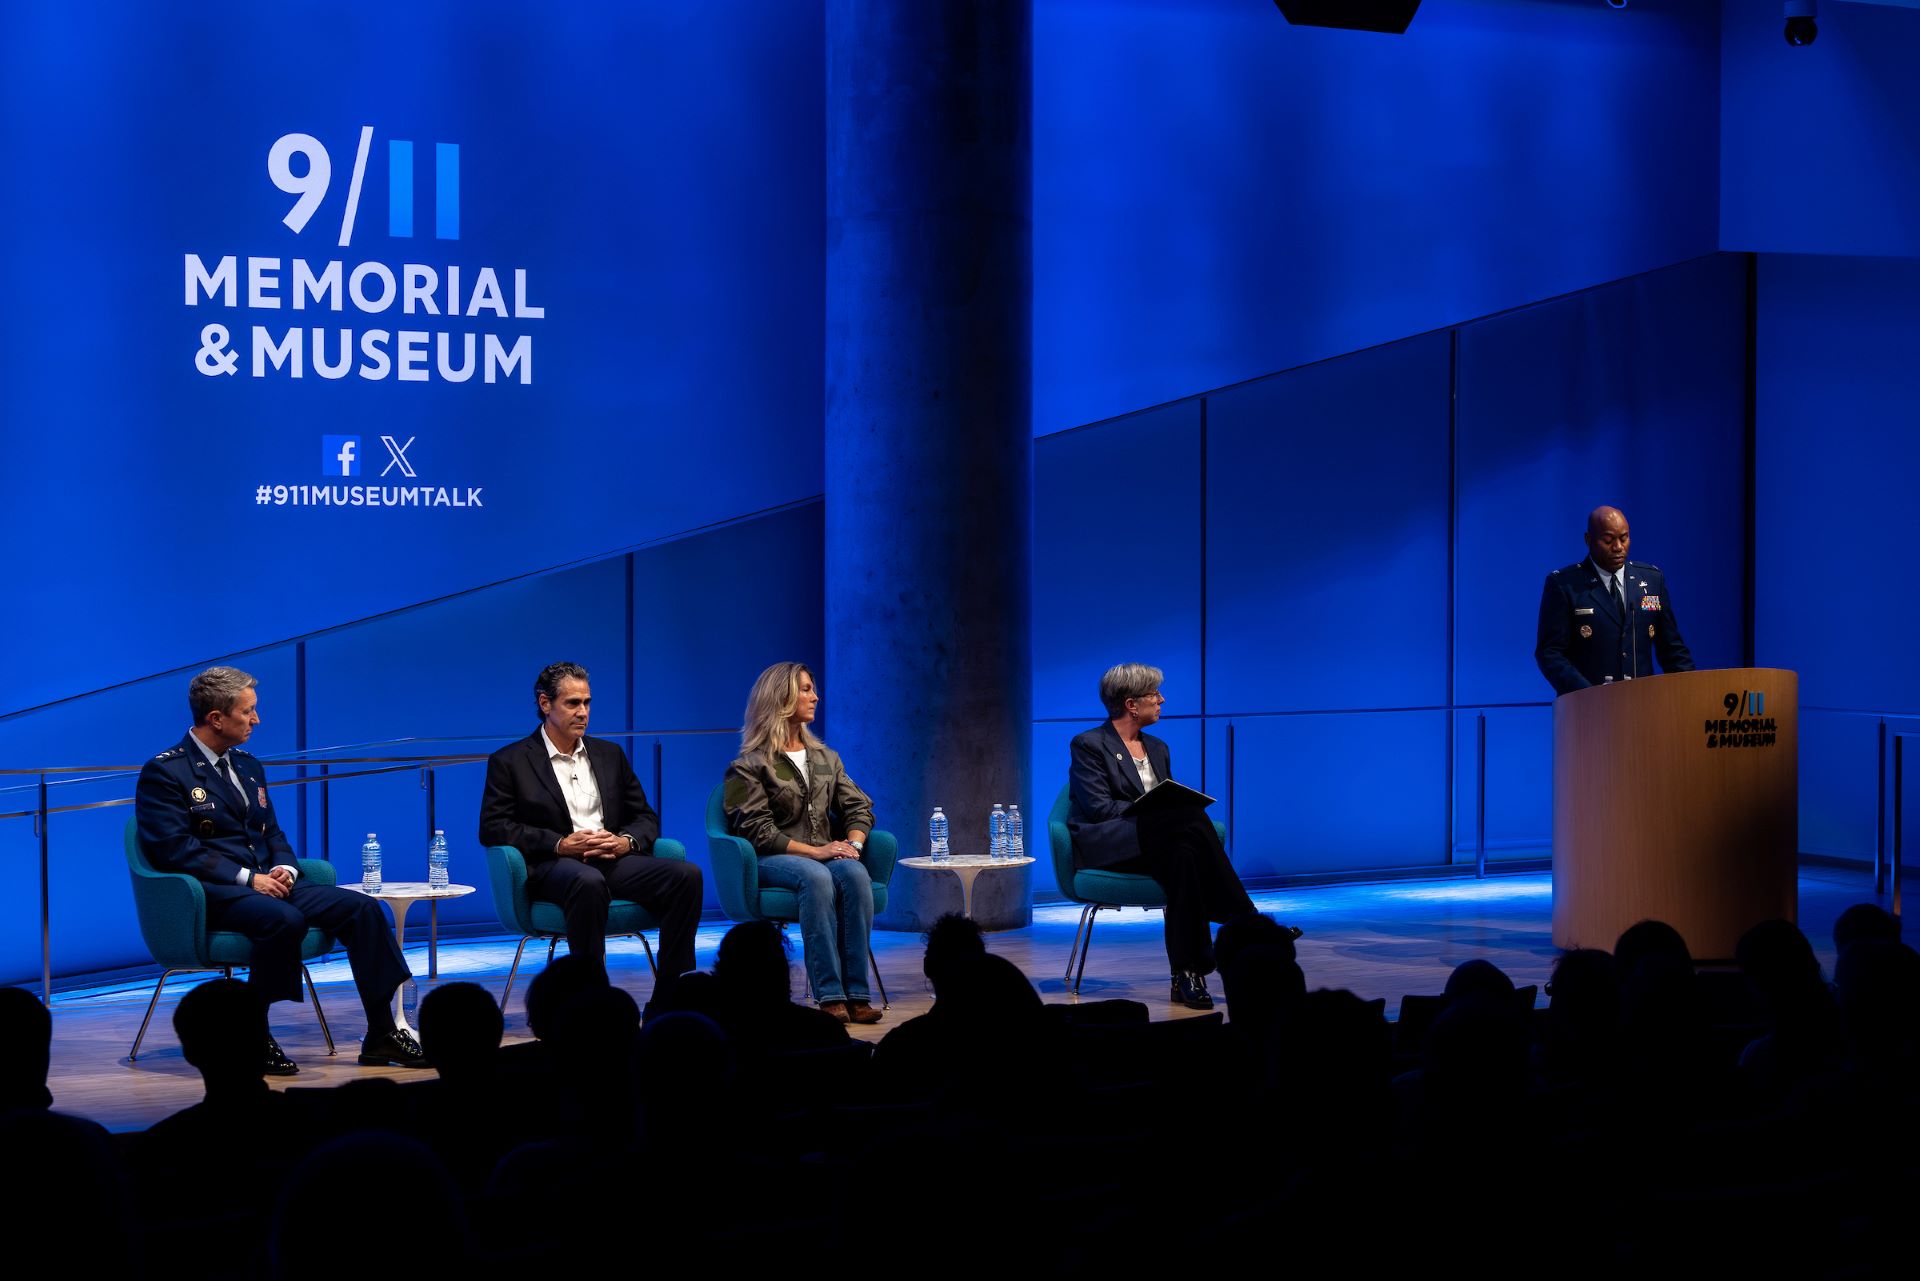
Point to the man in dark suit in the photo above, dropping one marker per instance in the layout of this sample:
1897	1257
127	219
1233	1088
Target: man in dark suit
574	809
1605	618
1113	765
202	808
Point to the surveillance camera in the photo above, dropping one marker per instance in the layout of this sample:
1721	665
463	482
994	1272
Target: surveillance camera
1802	30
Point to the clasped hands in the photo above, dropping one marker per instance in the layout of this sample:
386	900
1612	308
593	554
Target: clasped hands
592	845
276	882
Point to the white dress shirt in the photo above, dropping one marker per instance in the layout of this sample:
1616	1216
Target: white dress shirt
575	776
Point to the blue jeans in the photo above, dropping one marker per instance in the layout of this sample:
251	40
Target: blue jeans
836	919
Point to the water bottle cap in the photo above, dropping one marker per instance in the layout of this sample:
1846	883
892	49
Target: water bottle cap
439	832
371	836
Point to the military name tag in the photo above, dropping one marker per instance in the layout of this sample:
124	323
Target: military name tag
197	808
1578	612
1649	602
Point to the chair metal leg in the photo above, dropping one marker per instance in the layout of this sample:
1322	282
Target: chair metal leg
1074	951
1092	916
141	1035
552	943
314	994
881	983
508	990
650	965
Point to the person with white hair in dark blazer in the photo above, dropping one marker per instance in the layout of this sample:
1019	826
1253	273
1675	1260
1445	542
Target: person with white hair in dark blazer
1114	764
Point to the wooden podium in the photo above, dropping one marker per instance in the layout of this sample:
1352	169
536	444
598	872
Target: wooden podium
1677	797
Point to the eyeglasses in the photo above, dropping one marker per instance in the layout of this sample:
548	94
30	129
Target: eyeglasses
1155	697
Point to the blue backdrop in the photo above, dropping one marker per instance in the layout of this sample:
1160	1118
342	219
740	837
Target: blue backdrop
648	179
1218	194
1836	454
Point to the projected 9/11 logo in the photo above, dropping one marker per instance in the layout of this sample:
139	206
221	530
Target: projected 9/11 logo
312	184
300	165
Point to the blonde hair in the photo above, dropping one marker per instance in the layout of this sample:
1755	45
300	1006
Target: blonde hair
770	709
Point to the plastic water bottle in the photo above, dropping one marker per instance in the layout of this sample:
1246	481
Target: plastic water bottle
937	847
1016	833
370	864
437	861
997	834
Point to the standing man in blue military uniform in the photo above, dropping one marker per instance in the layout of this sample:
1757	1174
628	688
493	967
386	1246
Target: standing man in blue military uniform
1605	618
201	808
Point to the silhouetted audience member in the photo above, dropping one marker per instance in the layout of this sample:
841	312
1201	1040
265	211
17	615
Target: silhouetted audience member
26	1044
953	942
1583	1019
63	1198
233	1148
406	1215
1802	1040
460	1116
555	987
986	1016
1864	922
1261	980
1477	978
754	979
460	1029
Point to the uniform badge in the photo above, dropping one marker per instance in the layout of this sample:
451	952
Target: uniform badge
198	793
1649	631
1586	631
262	794
1650	602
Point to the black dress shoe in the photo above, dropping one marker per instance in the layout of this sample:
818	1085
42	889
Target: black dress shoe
396	1047
278	1064
1190	990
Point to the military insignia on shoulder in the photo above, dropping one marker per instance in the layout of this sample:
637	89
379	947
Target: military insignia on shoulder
169	754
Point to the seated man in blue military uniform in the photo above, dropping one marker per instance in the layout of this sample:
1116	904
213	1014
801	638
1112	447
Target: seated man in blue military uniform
202	809
1605	618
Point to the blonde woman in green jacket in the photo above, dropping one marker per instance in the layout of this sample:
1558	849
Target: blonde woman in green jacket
788	795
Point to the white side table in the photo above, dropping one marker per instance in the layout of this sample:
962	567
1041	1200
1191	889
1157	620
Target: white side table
401	895
967	868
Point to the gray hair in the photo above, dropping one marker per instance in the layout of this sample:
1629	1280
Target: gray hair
216	690
548	682
1127	680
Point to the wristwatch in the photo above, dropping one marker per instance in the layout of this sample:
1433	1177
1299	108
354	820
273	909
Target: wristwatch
633	846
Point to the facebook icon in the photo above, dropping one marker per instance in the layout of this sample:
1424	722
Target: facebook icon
339	455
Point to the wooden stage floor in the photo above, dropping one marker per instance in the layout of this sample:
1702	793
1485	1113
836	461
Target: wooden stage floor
1379	940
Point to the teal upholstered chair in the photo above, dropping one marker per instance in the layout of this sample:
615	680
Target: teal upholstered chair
172	910
1096	889
520	913
736	877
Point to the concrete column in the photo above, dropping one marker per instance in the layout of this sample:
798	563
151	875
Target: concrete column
928	435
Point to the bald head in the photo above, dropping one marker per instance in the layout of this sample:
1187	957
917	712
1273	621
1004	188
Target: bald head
1607	538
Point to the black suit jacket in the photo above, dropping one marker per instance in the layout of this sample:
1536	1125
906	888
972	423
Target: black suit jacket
1102	782
1581	639
522	805
190	821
